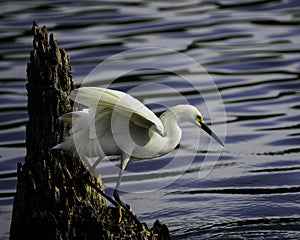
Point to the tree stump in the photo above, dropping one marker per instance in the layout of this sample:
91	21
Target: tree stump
57	198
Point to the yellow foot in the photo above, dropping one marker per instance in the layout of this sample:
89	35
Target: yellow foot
120	212
147	231
143	225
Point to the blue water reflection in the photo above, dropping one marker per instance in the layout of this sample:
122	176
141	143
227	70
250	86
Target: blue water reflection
249	48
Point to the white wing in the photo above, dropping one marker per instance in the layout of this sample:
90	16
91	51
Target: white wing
121	102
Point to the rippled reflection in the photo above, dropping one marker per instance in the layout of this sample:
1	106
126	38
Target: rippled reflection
249	48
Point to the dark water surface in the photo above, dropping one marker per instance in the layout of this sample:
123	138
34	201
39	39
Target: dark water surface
251	51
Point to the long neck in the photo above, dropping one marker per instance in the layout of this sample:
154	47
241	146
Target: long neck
172	129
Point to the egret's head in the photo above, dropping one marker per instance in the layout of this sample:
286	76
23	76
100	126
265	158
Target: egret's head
192	114
200	122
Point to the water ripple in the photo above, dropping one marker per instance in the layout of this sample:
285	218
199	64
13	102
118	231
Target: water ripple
250	49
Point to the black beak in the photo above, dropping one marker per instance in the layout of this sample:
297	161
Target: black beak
211	133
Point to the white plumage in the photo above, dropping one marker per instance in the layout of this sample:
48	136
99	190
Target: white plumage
115	123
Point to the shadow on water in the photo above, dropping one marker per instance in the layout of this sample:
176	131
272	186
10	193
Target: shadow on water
249	48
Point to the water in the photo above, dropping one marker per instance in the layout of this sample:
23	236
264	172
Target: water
251	51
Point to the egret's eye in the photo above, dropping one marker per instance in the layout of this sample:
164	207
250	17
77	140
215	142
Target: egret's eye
199	119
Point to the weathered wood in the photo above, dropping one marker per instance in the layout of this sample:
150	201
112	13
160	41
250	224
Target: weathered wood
56	196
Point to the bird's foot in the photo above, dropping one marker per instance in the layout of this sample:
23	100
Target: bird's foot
121	209
126	209
141	226
120	202
146	229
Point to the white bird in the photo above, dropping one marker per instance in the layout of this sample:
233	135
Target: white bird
115	123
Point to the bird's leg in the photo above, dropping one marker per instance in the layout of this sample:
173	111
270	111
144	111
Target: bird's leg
125	207
122	205
116	192
96	163
124	161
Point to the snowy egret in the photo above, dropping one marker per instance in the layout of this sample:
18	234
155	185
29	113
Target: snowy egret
115	123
